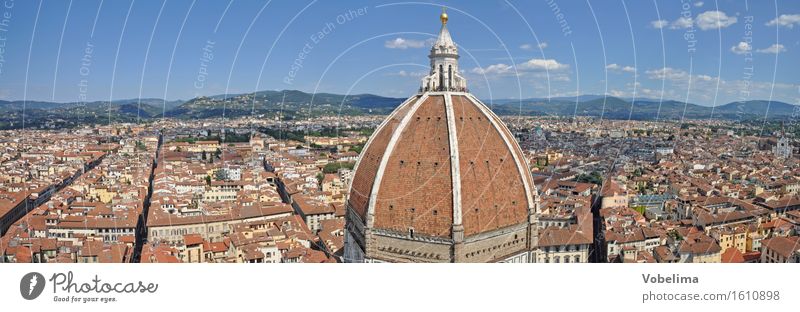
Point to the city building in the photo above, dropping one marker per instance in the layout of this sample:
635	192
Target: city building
781	250
783	148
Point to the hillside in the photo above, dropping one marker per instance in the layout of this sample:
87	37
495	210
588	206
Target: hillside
289	103
616	108
297	104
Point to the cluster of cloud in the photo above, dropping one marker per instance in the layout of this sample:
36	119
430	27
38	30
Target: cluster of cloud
529	47
619	68
543	64
785	20
536	69
717	19
659	24
705	21
675	75
742	48
706	88
404	73
773	49
404	43
494	70
532	65
714	20
745	47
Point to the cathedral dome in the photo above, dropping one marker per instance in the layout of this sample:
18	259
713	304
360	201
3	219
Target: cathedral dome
441	180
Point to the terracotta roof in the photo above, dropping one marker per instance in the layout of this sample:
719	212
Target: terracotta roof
192	239
664	254
612	188
698	243
554	236
784	246
732	255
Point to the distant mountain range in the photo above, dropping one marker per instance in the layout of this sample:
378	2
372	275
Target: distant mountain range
293	103
645	109
289	103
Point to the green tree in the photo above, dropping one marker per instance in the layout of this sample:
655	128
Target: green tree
357	148
594	177
334	167
221	175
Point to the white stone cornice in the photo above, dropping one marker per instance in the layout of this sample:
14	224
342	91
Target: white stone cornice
455	164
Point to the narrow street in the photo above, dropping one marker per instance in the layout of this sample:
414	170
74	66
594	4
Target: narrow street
141	224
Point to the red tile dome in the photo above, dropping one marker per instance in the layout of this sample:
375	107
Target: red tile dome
441	170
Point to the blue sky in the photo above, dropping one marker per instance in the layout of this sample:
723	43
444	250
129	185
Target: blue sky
706	52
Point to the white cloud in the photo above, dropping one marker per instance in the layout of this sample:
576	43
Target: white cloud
704	77
561	78
682	23
698	4
668	73
681	77
714	20
493	70
620	68
529	47
403	43
773	49
617	93
742	48
705	21
532	66
659	24
543	64
704	89
404	73
785	20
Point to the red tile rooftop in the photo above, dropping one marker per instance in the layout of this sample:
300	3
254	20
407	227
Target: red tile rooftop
192	239
158	218
783	246
732	255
